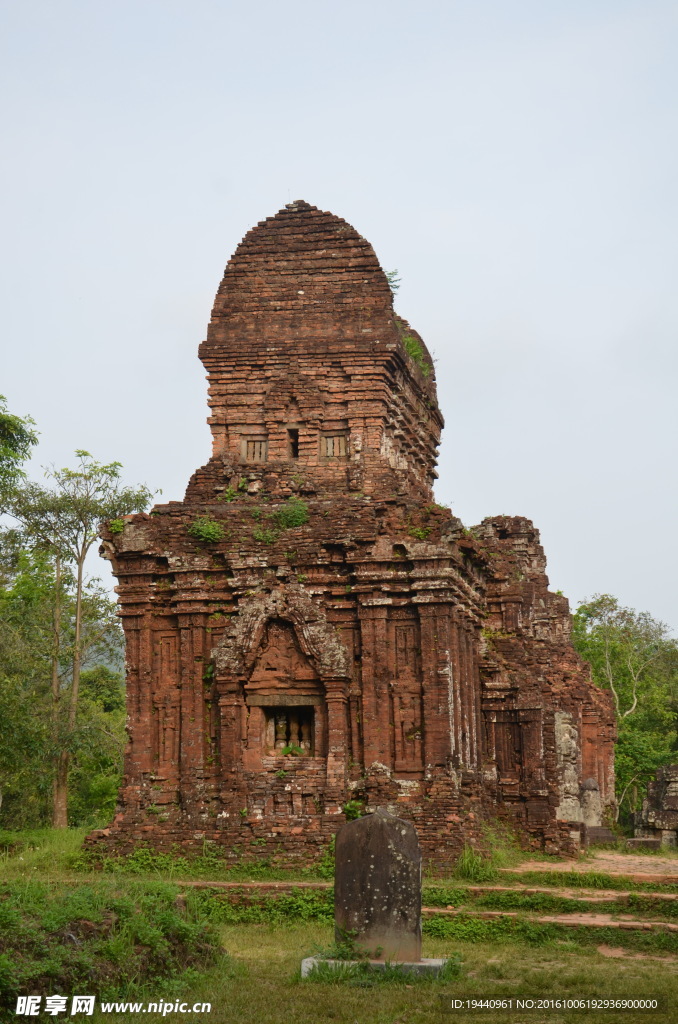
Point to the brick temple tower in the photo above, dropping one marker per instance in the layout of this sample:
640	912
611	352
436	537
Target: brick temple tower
307	628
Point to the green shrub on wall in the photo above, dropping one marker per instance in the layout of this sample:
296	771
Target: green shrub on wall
207	530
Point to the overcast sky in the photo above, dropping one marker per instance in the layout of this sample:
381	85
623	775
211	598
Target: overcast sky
515	160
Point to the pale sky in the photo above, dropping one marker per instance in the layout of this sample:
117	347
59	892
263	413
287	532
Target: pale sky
515	160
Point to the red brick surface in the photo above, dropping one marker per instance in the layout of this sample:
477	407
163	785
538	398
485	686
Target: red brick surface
413	663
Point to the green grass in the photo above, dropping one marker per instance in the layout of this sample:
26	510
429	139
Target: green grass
264	986
267	934
50	852
547	903
474	867
40	851
211	866
98	937
516	929
585	880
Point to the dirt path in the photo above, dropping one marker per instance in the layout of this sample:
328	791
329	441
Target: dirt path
639	868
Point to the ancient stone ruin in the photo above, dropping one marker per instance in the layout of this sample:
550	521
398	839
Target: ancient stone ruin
308	633
657	822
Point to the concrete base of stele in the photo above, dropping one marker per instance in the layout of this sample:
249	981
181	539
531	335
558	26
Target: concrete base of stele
424	966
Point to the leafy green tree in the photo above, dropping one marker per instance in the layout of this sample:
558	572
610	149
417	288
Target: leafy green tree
635	657
17	437
26	641
34	663
96	769
64	519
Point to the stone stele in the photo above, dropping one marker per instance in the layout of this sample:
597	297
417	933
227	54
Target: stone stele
377	887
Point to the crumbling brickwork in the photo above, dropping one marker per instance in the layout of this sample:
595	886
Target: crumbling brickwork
307	628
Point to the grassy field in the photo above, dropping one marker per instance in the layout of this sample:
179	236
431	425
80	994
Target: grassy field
263	985
139	933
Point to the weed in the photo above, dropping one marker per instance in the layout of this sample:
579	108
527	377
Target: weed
419	532
393	280
590	880
205	529
325	866
353	809
516	929
415	351
363	975
264	535
474	867
293	513
116	525
95	938
247	907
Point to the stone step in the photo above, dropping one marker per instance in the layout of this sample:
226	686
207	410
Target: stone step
631	876
600	836
644	843
572	920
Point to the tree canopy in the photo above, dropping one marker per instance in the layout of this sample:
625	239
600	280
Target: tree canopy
635	657
17	437
55	624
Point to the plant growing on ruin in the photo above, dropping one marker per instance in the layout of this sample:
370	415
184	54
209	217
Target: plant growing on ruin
206	529
353	809
393	280
419	532
293	513
292	750
264	535
415	351
116	525
474	867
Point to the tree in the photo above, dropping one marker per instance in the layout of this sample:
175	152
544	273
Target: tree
17	437
26	598
97	769
634	657
32	658
64	520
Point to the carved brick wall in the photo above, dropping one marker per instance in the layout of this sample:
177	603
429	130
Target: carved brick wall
376	651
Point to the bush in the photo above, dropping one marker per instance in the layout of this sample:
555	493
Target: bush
474	867
415	351
293	513
207	530
96	938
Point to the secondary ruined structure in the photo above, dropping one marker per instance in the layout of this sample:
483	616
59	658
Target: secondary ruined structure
307	629
657	823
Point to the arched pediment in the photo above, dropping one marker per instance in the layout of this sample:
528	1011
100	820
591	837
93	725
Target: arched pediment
321	642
